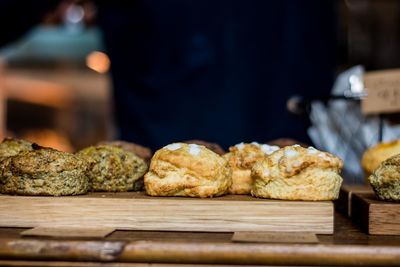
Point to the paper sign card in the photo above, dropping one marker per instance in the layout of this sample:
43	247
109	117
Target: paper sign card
383	92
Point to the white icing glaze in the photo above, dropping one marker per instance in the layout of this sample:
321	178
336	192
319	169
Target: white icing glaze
173	147
255	143
291	153
311	150
267	149
194	149
240	146
296	145
323	156
296	164
266	173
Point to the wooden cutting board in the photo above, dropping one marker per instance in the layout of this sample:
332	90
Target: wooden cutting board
343	203
375	217
136	211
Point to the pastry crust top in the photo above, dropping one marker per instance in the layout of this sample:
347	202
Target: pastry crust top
212	146
181	169
12	146
43	171
297	173
112	168
241	159
141	151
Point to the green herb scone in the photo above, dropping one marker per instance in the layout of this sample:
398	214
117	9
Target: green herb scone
10	147
385	180
43	171
113	169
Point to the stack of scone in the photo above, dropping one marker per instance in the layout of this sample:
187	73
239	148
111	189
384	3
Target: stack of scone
290	173
178	169
29	169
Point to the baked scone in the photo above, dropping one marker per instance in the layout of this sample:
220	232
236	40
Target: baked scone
113	169
141	151
375	155
212	146
385	180
181	169
43	171
11	146
241	159
297	173
282	142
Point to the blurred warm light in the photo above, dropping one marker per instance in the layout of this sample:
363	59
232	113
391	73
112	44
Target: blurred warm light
98	61
48	138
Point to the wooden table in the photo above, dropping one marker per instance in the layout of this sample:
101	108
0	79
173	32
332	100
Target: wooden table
347	247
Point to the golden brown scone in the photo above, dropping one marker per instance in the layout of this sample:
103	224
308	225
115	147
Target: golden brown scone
297	173
140	151
386	179
377	154
191	170
212	146
241	159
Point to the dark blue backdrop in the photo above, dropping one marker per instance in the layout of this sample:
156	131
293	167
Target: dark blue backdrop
217	70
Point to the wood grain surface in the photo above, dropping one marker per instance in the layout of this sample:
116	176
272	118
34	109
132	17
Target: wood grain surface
348	246
274	237
343	203
135	211
76	232
374	216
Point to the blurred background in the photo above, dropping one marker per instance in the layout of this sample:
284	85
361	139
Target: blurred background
55	84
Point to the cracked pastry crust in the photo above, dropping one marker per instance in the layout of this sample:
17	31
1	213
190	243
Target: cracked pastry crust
113	169
297	173
385	180
212	146
11	146
241	159
191	170
43	171
375	155
141	151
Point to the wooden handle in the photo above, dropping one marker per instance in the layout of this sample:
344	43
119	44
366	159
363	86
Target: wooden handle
191	252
